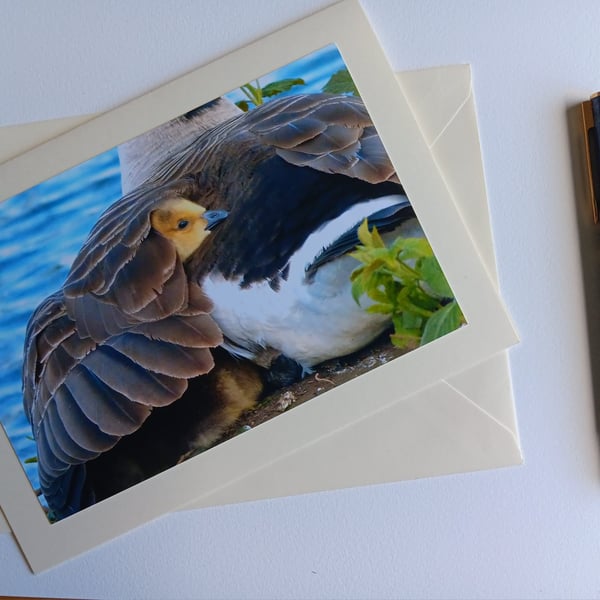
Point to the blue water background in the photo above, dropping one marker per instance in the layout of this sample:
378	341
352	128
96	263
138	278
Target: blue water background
43	228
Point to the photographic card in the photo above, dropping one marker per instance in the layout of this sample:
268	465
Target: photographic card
284	87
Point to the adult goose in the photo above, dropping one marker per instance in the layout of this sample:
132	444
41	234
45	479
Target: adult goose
297	176
119	381
118	344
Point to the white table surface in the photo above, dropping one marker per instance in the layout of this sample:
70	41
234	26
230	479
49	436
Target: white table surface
525	532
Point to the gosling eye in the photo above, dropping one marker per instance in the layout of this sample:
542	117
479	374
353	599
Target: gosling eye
182	224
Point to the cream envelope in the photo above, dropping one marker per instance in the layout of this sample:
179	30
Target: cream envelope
469	417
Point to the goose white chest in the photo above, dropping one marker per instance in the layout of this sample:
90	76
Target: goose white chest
308	319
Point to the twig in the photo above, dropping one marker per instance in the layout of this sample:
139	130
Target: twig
321	379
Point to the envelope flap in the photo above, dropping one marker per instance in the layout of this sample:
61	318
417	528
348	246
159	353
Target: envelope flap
17	139
411	440
445	108
438	93
489	386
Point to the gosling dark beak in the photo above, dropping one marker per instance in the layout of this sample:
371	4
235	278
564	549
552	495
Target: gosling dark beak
214	217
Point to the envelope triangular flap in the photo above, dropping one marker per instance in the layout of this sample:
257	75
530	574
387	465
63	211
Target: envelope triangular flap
437	431
445	109
437	92
17	139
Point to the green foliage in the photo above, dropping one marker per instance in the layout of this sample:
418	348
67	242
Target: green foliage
256	94
406	282
278	87
341	83
446	319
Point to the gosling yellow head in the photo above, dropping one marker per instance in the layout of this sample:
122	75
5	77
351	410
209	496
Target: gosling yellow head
185	223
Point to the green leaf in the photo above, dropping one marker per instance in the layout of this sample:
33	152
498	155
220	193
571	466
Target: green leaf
341	83
243	104
278	87
364	235
413	299
401	270
409	320
378	295
444	321
357	273
377	241
414	248
253	93
383	254
391	286
357	289
410	293
373	266
360	254
380	309
434	277
421	299
405	338
31	460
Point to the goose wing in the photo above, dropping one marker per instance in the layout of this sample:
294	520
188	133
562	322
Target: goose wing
83	397
126	273
386	219
123	336
332	134
329	133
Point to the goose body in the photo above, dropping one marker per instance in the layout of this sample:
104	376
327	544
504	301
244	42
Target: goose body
119	374
310	316
295	175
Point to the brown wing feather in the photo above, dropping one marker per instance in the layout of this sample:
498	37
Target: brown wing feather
117	238
82	397
123	336
114	237
329	133
333	134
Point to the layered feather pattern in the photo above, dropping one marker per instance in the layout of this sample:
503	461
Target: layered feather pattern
122	337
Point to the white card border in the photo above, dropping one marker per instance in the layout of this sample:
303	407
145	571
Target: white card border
489	330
